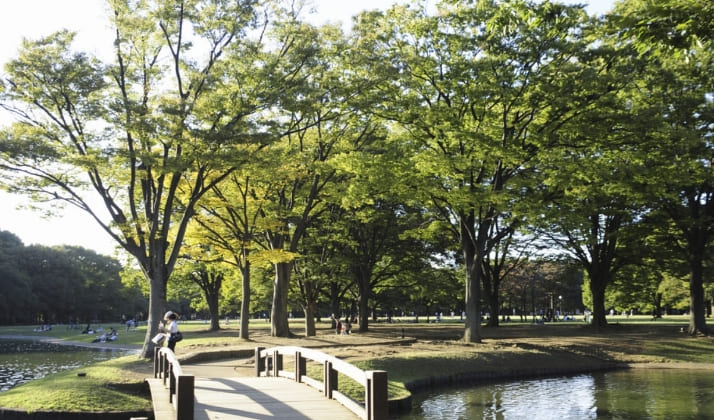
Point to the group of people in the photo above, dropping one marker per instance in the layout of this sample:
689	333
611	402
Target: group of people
170	331
110	335
89	330
43	328
341	327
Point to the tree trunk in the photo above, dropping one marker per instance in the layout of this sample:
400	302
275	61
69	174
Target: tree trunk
697	313
279	326
363	311
309	309
309	292
472	331
657	303
245	301
335	301
493	307
364	277
157	308
490	289
212	301
597	288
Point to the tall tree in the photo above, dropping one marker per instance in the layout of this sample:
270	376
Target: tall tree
676	95
685	172
506	256
595	184
321	124
149	134
478	90
203	266
375	249
319	265
230	219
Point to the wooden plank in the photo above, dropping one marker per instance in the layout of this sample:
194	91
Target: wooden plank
251	398
163	409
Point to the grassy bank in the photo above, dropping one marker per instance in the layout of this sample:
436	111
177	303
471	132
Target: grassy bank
114	385
435	356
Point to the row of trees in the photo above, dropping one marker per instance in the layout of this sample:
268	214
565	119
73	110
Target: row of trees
527	293
235	132
67	285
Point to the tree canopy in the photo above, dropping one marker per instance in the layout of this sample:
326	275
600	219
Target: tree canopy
362	169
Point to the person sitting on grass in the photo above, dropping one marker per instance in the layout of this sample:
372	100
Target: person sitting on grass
112	335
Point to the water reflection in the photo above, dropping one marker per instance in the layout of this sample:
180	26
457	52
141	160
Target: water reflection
632	394
656	393
535	399
23	361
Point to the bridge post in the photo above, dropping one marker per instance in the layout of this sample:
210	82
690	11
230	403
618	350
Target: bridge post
376	399
172	382
277	363
300	366
259	361
330	379
165	367
157	363
184	397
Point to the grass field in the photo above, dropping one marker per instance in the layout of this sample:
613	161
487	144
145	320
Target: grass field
435	354
230	330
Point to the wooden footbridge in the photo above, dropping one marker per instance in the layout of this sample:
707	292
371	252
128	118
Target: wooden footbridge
289	383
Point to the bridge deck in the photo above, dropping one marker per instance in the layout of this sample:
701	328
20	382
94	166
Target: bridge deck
263	398
222	393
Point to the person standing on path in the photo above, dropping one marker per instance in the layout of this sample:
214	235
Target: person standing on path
173	334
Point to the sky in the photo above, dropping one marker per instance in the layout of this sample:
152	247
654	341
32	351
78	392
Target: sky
35	18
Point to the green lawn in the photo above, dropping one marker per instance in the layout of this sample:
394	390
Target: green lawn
117	384
107	386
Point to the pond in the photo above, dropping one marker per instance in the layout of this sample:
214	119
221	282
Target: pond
624	394
24	360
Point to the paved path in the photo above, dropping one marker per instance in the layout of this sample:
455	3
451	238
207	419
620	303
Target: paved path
221	394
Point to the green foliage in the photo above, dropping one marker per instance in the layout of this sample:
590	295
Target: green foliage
361	167
675	293
665	27
674	94
60	285
151	132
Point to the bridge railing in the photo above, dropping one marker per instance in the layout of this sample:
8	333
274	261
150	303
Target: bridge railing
269	362
179	385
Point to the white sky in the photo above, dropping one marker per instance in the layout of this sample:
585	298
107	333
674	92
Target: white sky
35	18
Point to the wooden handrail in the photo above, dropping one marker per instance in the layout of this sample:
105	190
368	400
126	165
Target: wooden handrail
269	362
180	385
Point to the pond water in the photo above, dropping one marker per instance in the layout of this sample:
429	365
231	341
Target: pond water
625	394
23	361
